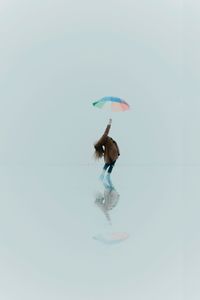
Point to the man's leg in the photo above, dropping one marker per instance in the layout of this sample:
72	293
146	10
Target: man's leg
109	172
111	165
104	170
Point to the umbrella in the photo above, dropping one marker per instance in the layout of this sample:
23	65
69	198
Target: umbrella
116	104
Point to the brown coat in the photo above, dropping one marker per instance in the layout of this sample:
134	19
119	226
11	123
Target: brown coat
111	149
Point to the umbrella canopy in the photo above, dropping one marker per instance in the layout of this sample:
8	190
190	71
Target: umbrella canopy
116	104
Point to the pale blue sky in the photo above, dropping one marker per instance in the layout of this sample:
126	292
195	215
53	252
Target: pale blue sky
59	56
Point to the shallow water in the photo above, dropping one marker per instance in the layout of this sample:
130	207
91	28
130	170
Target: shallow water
57	243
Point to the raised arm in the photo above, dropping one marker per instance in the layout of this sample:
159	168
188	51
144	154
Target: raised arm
104	136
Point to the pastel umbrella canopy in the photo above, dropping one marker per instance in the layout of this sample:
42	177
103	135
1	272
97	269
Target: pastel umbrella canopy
115	104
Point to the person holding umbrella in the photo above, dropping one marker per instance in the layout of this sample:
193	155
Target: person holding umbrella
108	149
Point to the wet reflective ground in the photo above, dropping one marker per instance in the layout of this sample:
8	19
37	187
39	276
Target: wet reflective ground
65	236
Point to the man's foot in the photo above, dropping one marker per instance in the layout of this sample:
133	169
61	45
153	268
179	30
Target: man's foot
101	177
109	182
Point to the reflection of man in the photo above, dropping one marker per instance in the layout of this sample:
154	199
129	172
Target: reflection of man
107	201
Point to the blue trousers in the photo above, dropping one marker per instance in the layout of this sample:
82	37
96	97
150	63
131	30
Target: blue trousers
109	166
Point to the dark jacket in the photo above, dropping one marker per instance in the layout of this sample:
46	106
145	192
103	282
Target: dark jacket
111	149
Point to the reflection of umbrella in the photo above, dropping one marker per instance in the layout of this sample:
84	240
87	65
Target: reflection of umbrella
112	238
116	104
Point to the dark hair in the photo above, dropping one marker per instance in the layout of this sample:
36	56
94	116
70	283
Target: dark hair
99	152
